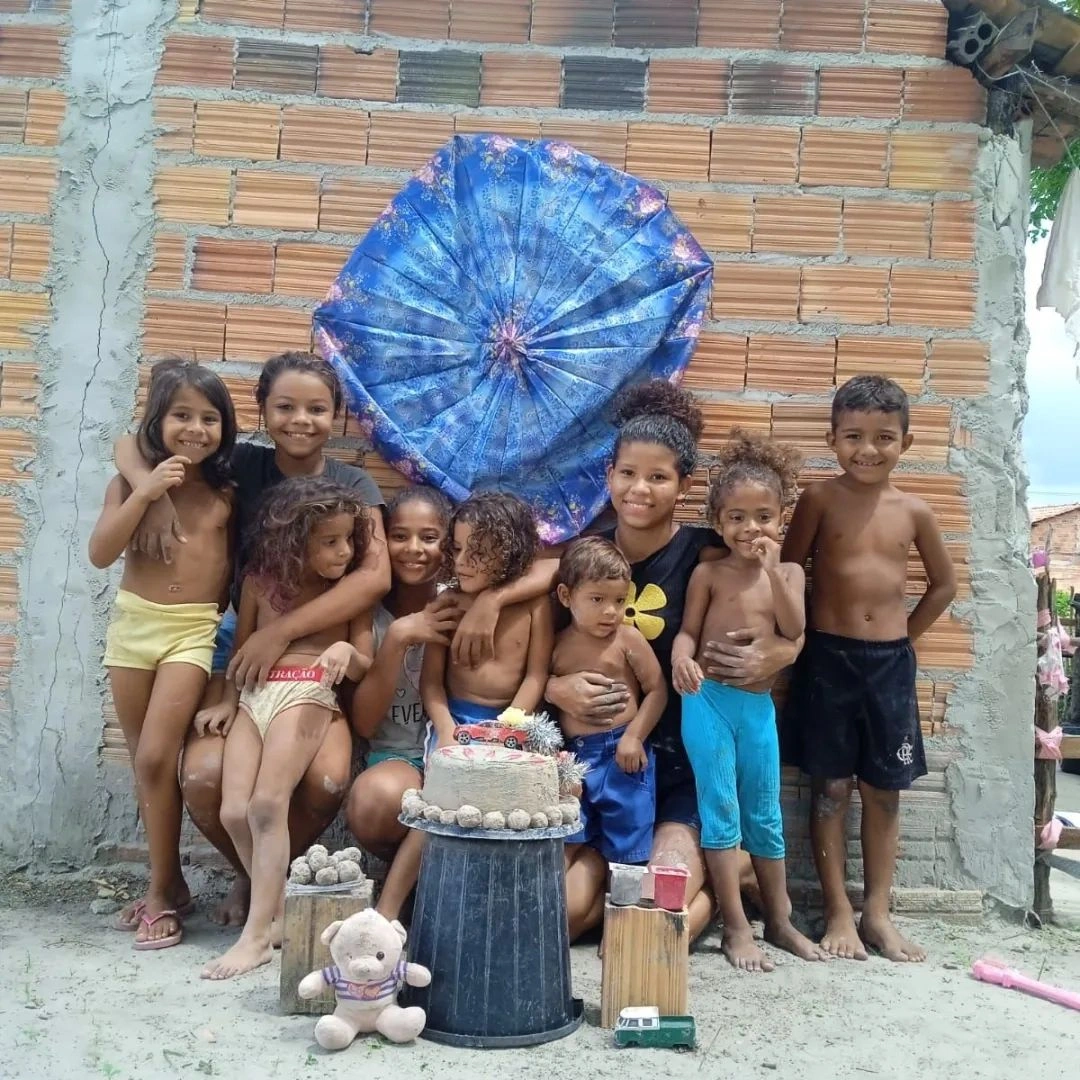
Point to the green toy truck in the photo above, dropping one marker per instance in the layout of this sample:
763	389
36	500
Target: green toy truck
643	1025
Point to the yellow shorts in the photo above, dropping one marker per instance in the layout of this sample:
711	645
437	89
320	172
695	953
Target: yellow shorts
145	635
286	688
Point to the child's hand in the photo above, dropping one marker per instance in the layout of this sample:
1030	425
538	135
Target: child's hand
768	552
686	675
630	754
169	474
217	720
335	662
434	625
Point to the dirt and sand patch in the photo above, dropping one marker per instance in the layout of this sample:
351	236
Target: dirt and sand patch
76	1002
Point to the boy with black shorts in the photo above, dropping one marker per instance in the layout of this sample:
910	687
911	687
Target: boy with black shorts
852	696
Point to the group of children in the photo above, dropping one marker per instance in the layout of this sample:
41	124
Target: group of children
627	657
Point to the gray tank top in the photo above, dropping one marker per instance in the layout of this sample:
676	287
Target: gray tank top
405	724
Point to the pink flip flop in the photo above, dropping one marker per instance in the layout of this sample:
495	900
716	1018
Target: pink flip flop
161	943
137	910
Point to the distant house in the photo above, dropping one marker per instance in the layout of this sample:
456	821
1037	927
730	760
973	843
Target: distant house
1059	527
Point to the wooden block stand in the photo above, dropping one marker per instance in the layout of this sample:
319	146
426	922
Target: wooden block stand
308	912
646	961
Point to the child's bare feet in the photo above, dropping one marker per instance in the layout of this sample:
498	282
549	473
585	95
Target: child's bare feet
785	936
232	911
842	938
246	955
742	952
881	935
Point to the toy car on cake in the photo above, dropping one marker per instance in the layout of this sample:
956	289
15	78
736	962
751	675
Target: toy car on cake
493	732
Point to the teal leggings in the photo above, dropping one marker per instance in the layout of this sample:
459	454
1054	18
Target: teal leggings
730	738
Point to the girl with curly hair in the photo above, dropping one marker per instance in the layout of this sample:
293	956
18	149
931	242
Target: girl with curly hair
309	534
730	732
492	543
161	637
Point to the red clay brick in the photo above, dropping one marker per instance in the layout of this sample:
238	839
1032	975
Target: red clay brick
755	291
603	139
719	222
822	25
944	94
194	329
490	20
844	294
227	265
832	157
923	297
509	78
959	368
331	16
410	18
406	140
194	60
719	362
268	13
786	362
185	193
739	24
933	161
324	133
797	224
901	359
952	235
688	86
237	129
872	92
573	22
31	52
748	154
907	26
884	227
276	200
344	73
307	269
668	151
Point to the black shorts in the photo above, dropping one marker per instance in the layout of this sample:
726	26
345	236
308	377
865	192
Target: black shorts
852	711
676	792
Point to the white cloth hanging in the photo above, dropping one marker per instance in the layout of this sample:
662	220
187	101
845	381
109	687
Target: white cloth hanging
1060	288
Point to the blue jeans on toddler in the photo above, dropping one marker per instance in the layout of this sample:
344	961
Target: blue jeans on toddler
730	736
617	808
463	712
223	643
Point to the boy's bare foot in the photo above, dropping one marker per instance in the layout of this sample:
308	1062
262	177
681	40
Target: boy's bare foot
742	952
246	955
785	936
842	938
232	911
881	935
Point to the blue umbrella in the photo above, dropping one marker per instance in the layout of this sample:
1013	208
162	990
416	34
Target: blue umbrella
501	300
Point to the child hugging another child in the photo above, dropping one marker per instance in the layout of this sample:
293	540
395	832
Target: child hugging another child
161	638
618	801
852	696
386	708
492	542
309	534
730	733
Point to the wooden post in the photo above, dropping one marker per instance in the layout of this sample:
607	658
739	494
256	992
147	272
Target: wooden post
308	912
646	961
1045	771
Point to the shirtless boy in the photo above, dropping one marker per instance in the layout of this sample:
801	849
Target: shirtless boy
853	692
618	801
492	542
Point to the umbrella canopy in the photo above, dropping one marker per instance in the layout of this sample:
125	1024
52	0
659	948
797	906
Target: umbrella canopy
501	300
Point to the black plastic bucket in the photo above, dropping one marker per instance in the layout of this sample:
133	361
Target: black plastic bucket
490	923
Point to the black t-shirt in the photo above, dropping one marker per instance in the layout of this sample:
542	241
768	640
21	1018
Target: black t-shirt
655	607
255	471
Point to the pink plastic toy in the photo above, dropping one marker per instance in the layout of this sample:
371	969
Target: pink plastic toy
669	886
991	971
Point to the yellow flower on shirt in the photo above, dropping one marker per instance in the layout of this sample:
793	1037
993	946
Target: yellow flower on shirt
652	598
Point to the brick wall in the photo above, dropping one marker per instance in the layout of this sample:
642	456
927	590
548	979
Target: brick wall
1064	547
820	150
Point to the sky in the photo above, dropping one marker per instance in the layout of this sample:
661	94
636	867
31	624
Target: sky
1052	424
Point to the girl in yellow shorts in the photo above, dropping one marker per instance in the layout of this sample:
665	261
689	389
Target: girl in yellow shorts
161	638
309	533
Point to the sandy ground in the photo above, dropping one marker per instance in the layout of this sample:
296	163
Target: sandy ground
76	1002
